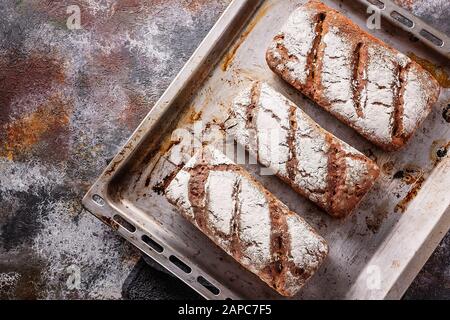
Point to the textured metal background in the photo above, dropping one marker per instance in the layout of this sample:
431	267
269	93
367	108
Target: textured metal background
434	12
68	101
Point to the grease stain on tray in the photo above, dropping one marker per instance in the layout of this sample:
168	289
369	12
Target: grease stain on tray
110	222
414	176
403	204
395	264
167	145
438	151
446	113
375	221
229	57
409	174
388	167
437	71
195	116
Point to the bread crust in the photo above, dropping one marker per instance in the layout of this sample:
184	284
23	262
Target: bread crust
362	81
311	160
245	220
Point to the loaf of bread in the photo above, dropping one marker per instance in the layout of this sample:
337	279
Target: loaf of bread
311	160
363	82
246	221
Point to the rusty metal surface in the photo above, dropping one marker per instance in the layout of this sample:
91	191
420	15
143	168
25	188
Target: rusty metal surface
68	101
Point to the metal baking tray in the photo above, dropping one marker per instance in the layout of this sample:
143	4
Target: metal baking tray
374	254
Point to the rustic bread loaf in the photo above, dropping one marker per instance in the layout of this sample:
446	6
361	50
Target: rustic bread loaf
246	221
311	160
363	82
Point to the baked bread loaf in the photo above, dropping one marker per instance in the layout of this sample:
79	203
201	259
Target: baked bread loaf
246	221
311	160
363	82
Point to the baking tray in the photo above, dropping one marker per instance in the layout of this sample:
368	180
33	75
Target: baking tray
374	254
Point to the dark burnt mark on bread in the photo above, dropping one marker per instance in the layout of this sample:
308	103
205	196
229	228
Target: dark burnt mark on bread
279	245
292	163
251	113
335	177
358	81
399	90
197	196
235	244
313	54
251	110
